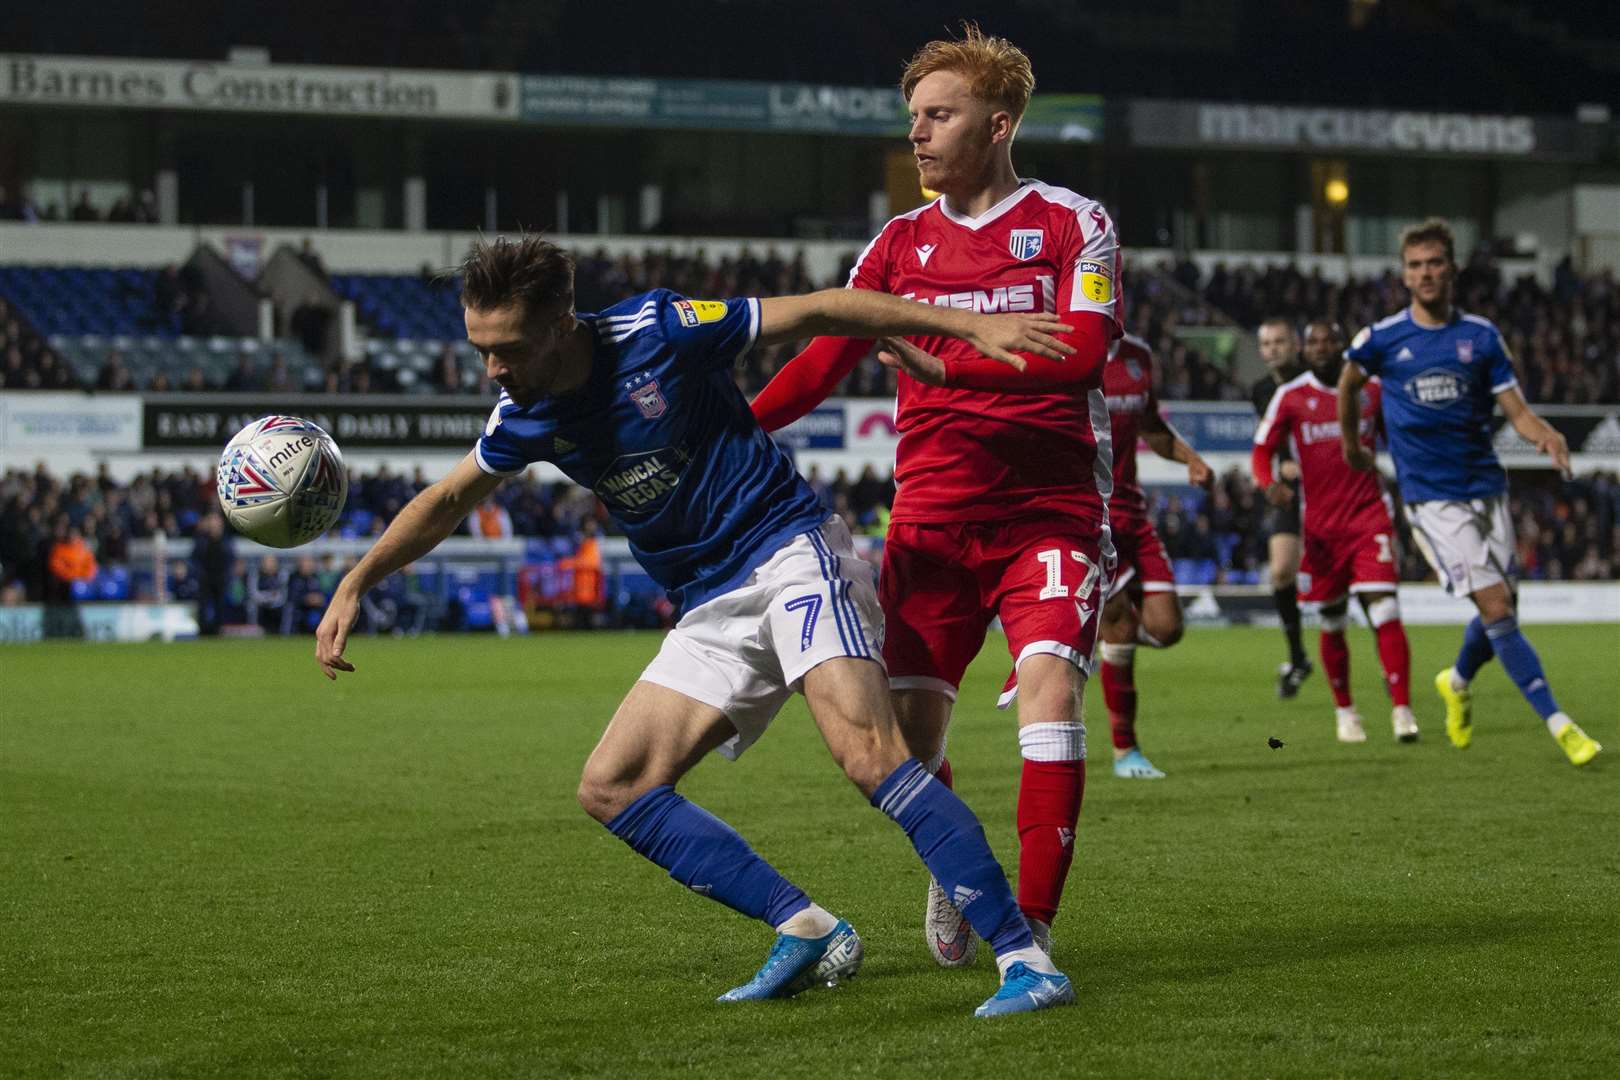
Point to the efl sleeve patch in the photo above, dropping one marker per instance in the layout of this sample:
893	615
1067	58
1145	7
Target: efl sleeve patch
698	312
1096	282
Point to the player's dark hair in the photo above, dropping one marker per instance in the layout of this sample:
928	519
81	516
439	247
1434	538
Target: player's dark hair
996	70
530	270
1433	231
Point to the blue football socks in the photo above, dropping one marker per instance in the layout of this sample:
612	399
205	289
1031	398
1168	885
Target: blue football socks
1523	666
707	856
952	843
1476	650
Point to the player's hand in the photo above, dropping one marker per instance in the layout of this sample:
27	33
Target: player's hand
1289	470
1360	458
1199	474
333	633
1000	336
1555	446
1279	494
902	355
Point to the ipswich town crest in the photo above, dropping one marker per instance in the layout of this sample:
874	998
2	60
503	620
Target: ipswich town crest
649	402
1024	243
1465	351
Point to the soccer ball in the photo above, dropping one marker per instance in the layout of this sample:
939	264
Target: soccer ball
281	481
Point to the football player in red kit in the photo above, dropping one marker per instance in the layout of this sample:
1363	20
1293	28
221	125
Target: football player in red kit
1349	536
1142	605
1003	473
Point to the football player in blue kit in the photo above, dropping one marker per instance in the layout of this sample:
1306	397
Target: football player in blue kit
1442	372
638	404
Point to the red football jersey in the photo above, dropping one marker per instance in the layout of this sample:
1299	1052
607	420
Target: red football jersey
978	455
1128	386
1335	500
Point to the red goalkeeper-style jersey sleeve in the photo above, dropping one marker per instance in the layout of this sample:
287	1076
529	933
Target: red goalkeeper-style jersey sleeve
1090	337
805	381
1269	437
1260	463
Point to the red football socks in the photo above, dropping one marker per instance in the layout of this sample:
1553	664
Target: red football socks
1119	695
1336	666
1395	653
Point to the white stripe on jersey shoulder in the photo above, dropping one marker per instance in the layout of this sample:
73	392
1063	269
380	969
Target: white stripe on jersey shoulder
1024	189
1072	200
1312	381
1478	320
618	334
1403	315
909	215
634	315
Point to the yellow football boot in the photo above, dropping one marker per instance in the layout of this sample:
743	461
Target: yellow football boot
1459	710
1578	746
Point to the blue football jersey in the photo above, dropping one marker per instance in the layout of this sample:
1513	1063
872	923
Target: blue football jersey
660	432
1440	386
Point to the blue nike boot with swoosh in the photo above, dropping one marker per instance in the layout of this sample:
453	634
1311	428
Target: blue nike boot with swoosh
797	963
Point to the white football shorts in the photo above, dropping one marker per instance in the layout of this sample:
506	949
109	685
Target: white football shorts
1469	542
746	651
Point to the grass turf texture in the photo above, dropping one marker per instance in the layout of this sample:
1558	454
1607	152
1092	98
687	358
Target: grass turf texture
215	863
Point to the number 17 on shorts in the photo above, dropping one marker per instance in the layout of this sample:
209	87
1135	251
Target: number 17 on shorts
1051	600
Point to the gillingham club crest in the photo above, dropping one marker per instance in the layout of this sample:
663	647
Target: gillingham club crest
1024	244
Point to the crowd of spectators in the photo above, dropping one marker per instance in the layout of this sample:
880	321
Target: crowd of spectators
50	526
26	361
141	209
1565	339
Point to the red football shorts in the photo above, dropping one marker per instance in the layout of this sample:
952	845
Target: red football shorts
1142	557
942	585
1332	567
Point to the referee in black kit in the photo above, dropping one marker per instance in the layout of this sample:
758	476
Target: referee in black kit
1279	348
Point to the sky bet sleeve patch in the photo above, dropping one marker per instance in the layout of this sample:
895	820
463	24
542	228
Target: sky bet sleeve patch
1096	282
698	312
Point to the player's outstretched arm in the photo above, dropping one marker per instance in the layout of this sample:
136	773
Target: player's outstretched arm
805	381
419	528
1546	438
1167	442
1037	375
862	313
1357	456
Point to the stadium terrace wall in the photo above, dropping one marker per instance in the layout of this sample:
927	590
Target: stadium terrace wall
366	251
370	251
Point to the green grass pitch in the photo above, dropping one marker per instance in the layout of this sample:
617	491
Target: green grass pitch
213	863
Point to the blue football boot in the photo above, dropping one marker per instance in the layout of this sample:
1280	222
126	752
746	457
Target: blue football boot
797	963
1135	766
1025	990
